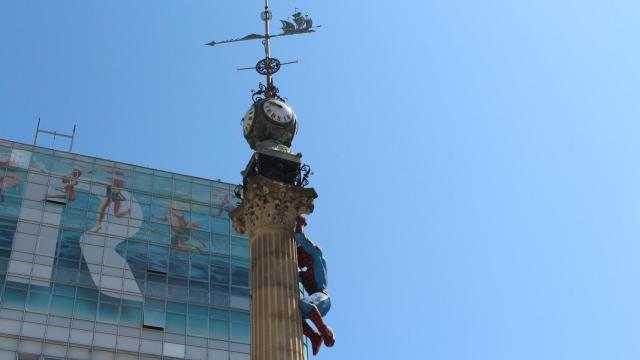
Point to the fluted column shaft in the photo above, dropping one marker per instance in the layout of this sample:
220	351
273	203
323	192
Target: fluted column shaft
268	213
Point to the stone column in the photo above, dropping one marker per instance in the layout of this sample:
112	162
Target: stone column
268	213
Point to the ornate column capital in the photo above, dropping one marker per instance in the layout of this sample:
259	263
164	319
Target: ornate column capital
268	202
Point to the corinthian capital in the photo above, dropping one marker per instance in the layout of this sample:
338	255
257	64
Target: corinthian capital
267	202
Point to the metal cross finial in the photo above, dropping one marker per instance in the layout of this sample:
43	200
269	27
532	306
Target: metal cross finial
269	66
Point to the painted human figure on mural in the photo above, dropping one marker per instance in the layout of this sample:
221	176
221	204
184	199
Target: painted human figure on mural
8	181
181	231
69	183
225	205
113	195
313	276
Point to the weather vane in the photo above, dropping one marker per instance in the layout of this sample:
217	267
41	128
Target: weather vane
268	66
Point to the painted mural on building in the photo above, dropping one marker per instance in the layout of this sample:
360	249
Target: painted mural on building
101	241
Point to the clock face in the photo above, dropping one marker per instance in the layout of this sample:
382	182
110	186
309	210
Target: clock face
247	120
278	112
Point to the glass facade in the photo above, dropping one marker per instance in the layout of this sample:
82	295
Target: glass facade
105	260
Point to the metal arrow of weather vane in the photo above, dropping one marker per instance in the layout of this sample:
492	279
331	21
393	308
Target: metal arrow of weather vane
268	66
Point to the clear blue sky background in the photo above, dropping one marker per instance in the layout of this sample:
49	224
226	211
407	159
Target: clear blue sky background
476	160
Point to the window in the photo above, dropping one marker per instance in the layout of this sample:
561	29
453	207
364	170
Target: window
154	319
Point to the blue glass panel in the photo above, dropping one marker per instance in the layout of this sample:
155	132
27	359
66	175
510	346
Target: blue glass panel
156	289
108	312
240	276
178	293
154	318
198	310
85	309
198	326
176	323
158	257
162	186
240	251
240	332
38	302
87	293
154	304
131	316
177	307
218	314
238	317
14	298
200	193
219	329
61	305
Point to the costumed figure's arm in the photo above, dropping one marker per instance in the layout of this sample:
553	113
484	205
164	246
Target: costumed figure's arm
307	245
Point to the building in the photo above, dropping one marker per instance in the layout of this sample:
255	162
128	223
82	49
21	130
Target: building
106	260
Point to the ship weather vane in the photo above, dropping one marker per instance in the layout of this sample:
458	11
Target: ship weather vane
268	66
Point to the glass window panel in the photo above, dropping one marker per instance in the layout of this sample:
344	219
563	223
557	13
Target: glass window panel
61	305
198	310
159	206
218	314
239	317
220	226
176	323
220	300
240	276
200	193
182	189
162	186
142	182
240	333
10	208
158	259
87	293
142	198
219	274
198	297
154	304
179	264
60	289
154	319
38	302
14	298
131	316
177	293
220	248
219	330
108	313
177	307
156	289
239	291
85	309
198	326
240	251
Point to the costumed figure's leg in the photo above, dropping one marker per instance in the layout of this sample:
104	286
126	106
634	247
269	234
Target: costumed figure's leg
314	337
101	212
313	308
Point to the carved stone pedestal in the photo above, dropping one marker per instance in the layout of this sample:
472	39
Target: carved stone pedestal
268	213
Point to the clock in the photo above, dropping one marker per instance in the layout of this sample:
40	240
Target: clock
278	112
247	120
270	124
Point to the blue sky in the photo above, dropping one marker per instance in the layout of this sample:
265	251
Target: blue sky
475	161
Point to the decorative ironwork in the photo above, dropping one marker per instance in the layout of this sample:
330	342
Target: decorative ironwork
303	175
264	92
238	191
268	66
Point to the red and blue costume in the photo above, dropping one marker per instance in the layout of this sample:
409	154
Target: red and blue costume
313	276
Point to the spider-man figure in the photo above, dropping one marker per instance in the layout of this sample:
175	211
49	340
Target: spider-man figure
313	276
